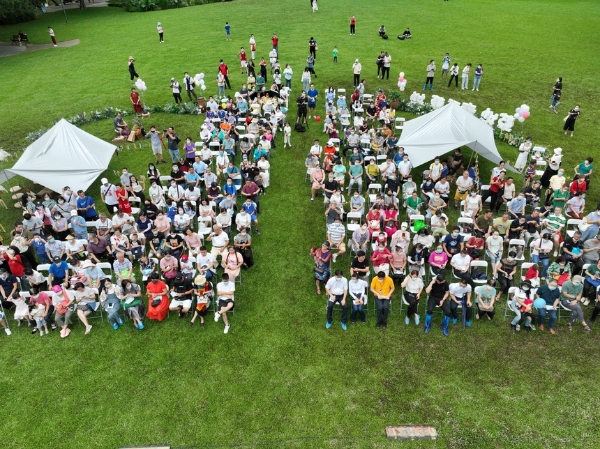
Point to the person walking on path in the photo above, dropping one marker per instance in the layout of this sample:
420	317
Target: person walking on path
133	74
430	75
477	78
51	33
159	28
570	120
556	93
356	67
352	26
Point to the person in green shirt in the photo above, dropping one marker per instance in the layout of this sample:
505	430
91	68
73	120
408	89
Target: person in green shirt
356	175
585	168
560	197
570	296
413	204
335	54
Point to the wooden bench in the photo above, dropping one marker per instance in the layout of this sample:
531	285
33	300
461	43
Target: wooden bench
16	38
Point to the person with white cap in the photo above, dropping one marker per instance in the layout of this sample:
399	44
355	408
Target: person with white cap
108	192
159	28
356	68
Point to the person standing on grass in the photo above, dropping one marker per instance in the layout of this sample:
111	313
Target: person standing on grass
51	33
430	75
159	28
224	70
275	42
453	75
569	120
356	68
315	8
287	135
445	65
477	78
465	77
335	54
352	26
312	94
387	61
382	287
227	31
243	60
287	74
188	82
133	74
176	87
252	42
556	93
312	47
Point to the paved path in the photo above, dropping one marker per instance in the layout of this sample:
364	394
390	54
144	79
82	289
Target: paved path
8	49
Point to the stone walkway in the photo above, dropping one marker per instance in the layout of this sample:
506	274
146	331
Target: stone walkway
8	49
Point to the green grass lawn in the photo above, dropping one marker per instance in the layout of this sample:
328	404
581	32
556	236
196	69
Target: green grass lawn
279	379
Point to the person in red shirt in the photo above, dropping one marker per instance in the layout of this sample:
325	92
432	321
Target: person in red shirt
352	26
225	72
495	190
275	41
578	185
243	60
14	262
381	259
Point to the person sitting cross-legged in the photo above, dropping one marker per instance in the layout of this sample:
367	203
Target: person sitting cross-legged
225	296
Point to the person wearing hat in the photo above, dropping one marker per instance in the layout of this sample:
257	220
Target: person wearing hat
75	248
78	225
176	88
108	193
204	294
58	272
181	291
133	74
62	300
570	297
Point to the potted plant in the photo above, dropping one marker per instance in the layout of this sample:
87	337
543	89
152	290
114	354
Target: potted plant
393	98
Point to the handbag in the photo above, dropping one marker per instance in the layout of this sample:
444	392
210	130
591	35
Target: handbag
584	225
62	307
156	302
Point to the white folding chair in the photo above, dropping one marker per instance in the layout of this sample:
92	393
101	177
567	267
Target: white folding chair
540	165
105	265
483	264
524	267
485	188
377	190
465	221
572	224
399	123
412	219
514	243
511	292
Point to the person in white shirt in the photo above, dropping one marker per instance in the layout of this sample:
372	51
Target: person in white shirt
192	194
123	221
430	75
387	61
221	161
508	195
205	263
460	294
413	286
108	192
465	76
225	298
336	290
219	240
464	184
176	193
242	220
357	289
435	170
443	188
405	167
316	149
461	266
453	75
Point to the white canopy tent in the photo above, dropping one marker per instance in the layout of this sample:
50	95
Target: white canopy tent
64	156
445	129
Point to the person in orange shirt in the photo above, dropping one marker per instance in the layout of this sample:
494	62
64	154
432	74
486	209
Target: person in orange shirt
382	287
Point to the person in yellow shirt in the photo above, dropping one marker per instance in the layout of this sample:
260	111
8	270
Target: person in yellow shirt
382	287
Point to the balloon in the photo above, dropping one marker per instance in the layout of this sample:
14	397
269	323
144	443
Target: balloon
524	108
224	105
539	303
203	87
519	111
200	75
525	114
202	82
403	84
317	118
401	79
401	88
521	119
401	74
517	115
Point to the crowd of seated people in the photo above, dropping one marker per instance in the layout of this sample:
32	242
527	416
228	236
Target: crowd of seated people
176	242
454	242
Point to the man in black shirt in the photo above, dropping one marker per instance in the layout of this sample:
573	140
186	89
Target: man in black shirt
302	102
157	243
532	226
438	297
360	265
330	186
174	243
573	251
517	228
150	210
182	302
533	194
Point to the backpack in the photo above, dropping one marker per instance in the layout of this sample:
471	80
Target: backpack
299	127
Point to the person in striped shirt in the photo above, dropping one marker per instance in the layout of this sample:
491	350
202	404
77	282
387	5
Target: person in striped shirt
336	232
554	223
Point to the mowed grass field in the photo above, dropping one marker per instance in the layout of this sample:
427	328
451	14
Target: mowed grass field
279	378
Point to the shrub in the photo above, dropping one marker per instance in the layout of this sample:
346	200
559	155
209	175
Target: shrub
16	11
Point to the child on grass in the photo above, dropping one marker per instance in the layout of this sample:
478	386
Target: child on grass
287	135
21	308
38	313
335	54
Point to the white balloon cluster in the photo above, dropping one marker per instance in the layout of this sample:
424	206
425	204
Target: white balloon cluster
417	99
401	82
437	101
522	113
489	117
469	107
506	122
199	80
141	85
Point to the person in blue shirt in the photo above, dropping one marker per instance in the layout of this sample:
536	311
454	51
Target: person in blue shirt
453	242
312	93
234	174
229	189
171	209
199	166
86	207
39	245
58	273
227	31
259	152
192	178
78	225
250	207
551	295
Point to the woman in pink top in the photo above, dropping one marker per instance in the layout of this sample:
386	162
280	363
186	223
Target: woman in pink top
438	260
